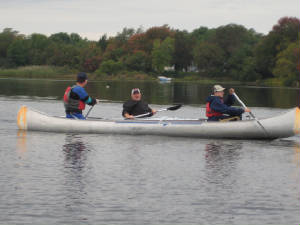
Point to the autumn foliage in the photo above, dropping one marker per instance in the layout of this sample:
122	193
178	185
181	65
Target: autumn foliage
228	52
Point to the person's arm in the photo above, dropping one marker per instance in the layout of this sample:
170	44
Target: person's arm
127	108
90	101
230	98
218	106
85	97
150	110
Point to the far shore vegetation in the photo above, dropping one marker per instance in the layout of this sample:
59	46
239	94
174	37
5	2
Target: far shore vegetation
64	73
227	54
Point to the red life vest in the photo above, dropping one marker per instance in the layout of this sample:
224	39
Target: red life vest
72	104
210	112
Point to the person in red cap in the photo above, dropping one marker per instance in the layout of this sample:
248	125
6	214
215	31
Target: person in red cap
76	97
217	109
136	106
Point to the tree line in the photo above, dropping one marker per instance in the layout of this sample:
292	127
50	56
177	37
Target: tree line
230	51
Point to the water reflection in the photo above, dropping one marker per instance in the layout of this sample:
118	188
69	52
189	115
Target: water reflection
21	143
76	176
75	151
221	159
153	92
297	154
218	153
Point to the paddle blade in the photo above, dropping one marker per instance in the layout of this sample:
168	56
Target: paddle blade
175	107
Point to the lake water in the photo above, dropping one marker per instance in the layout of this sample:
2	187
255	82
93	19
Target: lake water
57	178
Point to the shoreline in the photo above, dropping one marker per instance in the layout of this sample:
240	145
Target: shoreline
65	74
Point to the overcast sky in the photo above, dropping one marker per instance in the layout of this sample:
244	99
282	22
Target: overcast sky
93	18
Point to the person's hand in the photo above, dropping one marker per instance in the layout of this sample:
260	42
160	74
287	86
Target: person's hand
247	110
97	101
231	91
154	111
127	116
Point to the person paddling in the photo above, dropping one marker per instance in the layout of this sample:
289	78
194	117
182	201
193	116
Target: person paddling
136	106
216	107
75	98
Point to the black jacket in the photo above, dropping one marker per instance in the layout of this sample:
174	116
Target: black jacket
136	108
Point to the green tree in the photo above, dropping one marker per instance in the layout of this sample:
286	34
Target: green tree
103	42
162	54
18	52
136	61
7	36
209	59
110	67
287	66
282	34
75	38
61	37
38	44
183	50
90	57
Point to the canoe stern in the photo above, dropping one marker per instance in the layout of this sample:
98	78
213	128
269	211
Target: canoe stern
297	121
22	118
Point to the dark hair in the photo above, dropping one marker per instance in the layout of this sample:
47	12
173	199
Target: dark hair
81	77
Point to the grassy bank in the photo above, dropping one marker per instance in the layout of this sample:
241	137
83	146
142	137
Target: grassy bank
65	73
39	72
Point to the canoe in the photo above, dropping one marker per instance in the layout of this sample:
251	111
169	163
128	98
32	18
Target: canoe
281	126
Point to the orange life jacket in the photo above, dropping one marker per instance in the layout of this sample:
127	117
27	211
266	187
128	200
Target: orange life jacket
210	112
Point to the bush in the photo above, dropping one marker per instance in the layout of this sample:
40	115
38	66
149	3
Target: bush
110	67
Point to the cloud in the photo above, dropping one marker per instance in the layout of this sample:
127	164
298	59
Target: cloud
96	17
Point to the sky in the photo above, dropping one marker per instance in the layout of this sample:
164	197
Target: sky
94	18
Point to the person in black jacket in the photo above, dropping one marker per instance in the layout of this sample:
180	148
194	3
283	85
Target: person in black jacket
217	109
136	106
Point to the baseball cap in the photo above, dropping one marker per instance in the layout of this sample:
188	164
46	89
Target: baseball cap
135	91
81	77
218	88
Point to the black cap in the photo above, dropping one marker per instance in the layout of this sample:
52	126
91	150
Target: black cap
81	77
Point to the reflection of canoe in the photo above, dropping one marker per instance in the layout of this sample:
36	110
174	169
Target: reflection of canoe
285	125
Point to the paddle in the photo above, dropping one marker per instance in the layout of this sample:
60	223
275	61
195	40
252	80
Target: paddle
251	114
98	100
86	116
172	108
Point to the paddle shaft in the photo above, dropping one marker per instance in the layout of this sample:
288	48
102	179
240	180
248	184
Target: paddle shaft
147	114
242	103
251	114
175	107
86	116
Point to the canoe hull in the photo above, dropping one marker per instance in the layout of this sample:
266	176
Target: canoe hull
281	126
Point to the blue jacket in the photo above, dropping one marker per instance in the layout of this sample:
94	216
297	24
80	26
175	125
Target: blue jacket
218	105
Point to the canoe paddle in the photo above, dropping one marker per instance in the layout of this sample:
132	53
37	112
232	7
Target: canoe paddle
86	116
172	108
251	114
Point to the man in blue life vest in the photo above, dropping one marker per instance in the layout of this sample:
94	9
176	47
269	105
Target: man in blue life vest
217	109
136	106
76	97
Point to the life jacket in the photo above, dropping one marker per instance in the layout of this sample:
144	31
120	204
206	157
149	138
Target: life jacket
71	104
210	112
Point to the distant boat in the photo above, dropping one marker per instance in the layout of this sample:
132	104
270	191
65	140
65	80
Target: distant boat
164	79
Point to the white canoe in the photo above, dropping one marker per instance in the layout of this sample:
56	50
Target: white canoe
285	125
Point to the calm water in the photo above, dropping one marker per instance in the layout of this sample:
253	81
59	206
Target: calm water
49	178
